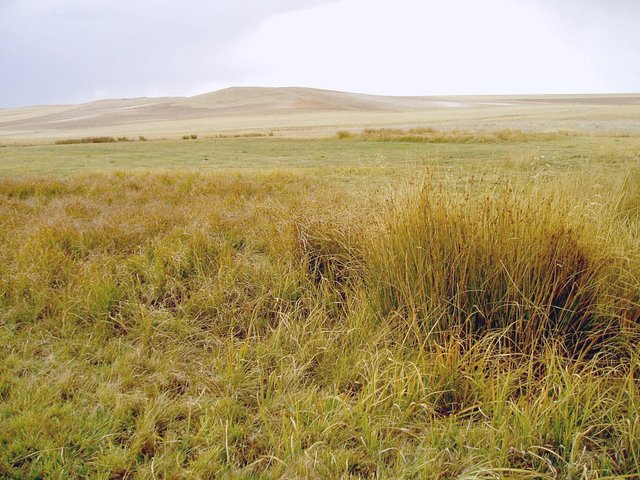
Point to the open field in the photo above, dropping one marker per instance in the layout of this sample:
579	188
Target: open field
346	159
384	304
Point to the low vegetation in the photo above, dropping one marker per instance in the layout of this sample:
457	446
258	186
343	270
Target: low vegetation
354	161
283	324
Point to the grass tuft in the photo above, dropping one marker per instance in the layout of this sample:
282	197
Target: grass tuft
514	262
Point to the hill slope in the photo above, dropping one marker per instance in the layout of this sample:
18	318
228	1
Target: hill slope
313	111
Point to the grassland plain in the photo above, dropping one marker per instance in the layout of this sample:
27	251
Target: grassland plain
321	308
310	112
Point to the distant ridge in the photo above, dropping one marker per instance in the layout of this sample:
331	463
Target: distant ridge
274	99
239	108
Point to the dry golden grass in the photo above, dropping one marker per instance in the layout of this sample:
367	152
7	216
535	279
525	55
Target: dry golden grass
431	135
72	141
280	325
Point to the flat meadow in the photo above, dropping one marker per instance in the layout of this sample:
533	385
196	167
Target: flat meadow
385	303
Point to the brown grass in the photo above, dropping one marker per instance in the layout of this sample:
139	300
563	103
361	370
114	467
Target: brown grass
431	135
71	141
281	325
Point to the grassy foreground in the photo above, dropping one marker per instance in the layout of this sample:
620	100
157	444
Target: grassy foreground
280	325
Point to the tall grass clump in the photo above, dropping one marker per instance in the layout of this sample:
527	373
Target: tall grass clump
524	265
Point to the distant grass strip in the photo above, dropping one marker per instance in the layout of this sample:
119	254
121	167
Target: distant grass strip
243	135
431	135
72	141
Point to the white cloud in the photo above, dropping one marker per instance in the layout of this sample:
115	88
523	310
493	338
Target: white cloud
420	47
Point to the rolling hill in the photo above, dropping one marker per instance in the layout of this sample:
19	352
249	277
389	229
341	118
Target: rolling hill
307	111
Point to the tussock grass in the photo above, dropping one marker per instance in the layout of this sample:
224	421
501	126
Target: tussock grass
277	325
519	262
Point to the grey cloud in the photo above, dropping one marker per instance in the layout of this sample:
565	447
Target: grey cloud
58	51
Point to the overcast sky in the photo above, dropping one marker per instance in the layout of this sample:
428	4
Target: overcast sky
69	51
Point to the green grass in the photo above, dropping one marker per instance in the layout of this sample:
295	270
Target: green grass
350	161
392	310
